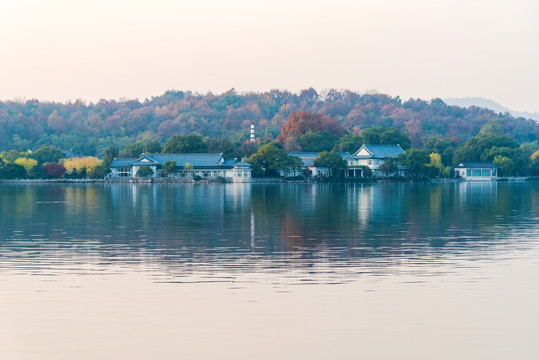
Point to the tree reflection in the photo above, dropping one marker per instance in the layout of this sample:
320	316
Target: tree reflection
241	225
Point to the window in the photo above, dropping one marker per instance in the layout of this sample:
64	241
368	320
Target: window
493	172
468	172
476	172
486	172
124	172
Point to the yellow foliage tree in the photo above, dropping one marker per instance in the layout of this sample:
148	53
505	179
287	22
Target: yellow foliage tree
78	163
534	155
436	161
26	163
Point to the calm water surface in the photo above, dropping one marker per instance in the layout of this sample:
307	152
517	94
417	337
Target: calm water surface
241	271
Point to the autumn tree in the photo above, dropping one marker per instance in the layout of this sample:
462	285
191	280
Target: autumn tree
299	123
81	165
26	163
54	170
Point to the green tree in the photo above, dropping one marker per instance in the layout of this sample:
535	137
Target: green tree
333	161
135	149
180	144
386	136
390	166
188	168
110	154
47	155
317	141
153	147
474	147
170	168
393	136
101	171
222	145
372	135
13	171
506	165
144	171
37	172
367	172
349	143
492	127
269	159
416	162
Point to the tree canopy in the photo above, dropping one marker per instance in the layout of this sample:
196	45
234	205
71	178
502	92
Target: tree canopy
333	161
185	144
269	159
92	128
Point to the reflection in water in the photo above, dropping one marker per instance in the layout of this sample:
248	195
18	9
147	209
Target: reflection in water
326	231
414	271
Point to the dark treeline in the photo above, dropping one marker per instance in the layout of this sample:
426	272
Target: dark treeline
90	129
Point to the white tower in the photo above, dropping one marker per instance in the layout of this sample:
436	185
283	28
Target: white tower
252	133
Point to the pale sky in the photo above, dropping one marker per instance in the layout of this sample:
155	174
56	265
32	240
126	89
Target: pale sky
69	49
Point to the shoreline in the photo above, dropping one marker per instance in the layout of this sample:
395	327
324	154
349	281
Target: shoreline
250	181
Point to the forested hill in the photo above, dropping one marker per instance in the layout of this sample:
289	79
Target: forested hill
88	129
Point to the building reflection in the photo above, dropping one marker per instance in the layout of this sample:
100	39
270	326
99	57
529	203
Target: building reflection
242	225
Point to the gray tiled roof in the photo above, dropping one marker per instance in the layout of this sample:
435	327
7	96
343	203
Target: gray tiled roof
242	163
122	162
196	160
229	162
308	157
481	165
382	151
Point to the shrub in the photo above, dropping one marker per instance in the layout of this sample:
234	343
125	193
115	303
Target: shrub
144	171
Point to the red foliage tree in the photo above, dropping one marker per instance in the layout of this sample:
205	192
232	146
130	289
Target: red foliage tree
54	170
299	123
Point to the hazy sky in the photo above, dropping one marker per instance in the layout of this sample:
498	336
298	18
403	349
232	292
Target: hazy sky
69	49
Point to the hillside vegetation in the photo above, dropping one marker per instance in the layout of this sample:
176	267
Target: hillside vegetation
90	129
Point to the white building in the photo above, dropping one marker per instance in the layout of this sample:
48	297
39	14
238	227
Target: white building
373	156
477	171
189	165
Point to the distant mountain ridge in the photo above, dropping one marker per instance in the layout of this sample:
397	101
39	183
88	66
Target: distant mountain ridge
489	104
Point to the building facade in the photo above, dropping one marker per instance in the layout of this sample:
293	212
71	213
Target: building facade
188	165
477	171
371	156
374	156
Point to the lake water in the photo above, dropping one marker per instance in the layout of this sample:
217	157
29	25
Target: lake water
252	271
